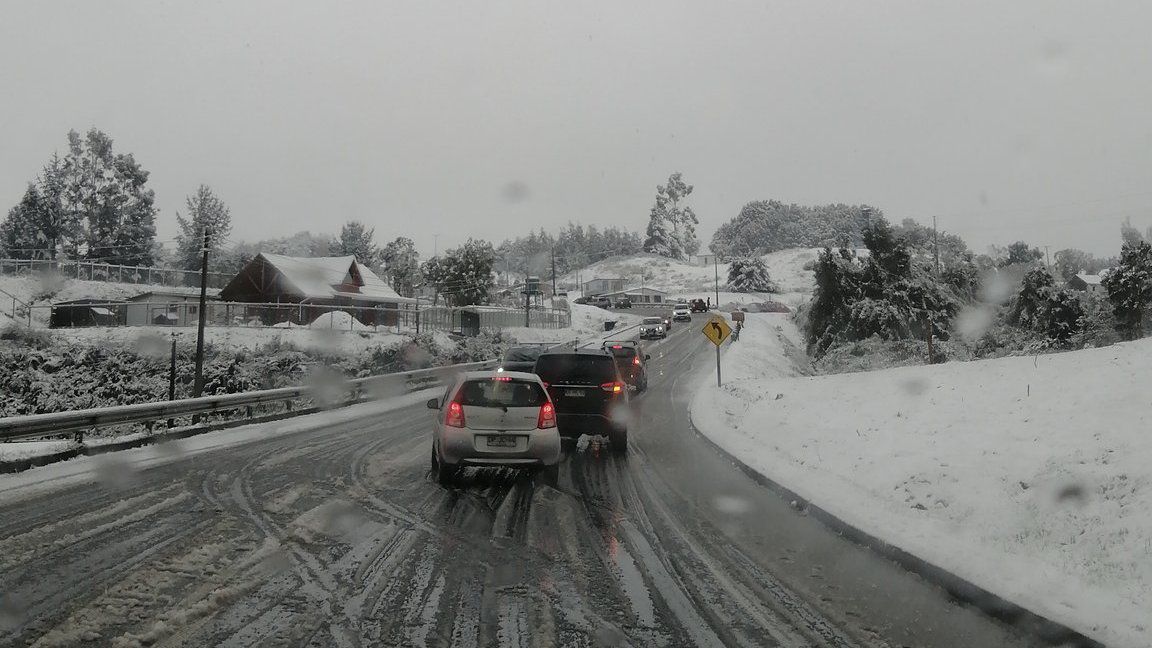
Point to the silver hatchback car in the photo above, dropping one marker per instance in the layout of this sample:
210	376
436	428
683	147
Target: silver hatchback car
489	418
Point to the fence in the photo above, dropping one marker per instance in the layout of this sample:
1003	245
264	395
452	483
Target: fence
91	271
400	318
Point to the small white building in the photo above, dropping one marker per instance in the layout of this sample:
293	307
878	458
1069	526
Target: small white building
166	307
1090	283
639	296
602	286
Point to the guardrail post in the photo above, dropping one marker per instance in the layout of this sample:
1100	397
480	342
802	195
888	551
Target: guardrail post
248	409
79	436
148	426
288	404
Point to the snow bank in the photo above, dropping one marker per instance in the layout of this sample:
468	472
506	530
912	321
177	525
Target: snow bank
1031	477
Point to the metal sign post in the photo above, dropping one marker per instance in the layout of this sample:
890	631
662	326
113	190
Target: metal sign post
717	330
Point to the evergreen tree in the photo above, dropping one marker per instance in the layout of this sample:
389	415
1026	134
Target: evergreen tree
750	275
402	266
356	239
1129	287
671	225
1029	302
1020	254
205	210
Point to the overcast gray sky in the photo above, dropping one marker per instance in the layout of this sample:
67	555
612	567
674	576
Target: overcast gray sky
1008	120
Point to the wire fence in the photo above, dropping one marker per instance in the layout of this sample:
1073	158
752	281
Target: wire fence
92	271
468	320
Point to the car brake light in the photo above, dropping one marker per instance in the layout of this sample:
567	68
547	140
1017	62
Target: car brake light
455	417
636	361
617	346
612	387
547	417
502	378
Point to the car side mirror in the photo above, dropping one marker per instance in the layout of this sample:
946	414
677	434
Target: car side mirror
647	356
433	403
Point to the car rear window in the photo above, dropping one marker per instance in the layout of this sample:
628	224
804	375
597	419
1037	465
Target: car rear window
577	369
522	354
653	320
501	393
623	352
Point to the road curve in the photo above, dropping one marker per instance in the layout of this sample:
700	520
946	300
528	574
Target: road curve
337	536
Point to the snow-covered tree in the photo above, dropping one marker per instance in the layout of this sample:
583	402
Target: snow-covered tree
671	225
463	275
107	193
358	240
205	210
402	265
750	275
1129	287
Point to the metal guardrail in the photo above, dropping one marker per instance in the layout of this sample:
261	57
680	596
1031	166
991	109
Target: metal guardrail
42	425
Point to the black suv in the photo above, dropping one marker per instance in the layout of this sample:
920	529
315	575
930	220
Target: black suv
588	393
623	302
522	358
698	306
630	361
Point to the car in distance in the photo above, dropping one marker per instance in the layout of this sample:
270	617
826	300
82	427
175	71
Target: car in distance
630	361
623	302
588	393
600	302
521	357
653	328
489	418
698	306
581	300
681	313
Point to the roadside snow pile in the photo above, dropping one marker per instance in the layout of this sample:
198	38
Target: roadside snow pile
339	320
1031	477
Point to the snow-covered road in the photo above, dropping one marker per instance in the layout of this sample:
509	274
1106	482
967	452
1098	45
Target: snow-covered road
333	534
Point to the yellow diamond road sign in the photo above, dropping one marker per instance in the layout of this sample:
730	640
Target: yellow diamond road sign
717	330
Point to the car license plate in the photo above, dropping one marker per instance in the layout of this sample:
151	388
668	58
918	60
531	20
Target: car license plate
501	442
574	393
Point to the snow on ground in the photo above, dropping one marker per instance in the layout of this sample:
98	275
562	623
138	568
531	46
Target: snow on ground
686	280
20	450
1031	477
587	322
43	291
113	466
238	337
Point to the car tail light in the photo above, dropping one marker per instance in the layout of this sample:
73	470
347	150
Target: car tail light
502	378
617	346
455	417
613	387
547	417
636	361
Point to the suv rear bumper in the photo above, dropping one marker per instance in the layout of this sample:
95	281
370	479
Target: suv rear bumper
573	425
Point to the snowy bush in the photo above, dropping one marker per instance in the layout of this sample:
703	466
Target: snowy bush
750	275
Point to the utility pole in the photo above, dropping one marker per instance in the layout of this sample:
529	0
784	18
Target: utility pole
936	244
198	387
553	273
716	272
1047	260
172	379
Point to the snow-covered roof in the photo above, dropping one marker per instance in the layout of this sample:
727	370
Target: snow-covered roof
1090	279
326	277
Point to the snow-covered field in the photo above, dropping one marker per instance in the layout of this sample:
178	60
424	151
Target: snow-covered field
689	281
1030	476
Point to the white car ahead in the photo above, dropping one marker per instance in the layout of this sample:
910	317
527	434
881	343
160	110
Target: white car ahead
489	418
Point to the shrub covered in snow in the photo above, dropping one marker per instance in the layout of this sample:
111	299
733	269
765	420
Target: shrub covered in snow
750	275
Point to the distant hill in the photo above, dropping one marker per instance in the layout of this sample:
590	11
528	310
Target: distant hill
766	226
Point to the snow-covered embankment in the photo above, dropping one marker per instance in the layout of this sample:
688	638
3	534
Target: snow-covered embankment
1031	477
